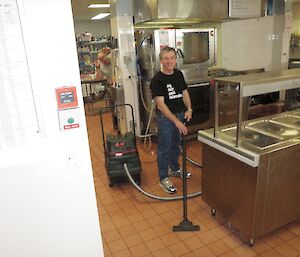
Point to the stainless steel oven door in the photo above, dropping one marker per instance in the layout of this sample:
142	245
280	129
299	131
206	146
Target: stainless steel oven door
197	47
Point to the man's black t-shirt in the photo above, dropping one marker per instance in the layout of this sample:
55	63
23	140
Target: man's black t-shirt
171	88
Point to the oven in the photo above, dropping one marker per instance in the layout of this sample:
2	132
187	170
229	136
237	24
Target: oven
196	49
200	98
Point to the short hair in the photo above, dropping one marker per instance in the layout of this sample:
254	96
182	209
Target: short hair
166	49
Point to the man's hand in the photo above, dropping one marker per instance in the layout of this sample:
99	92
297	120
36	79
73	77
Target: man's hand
181	127
188	115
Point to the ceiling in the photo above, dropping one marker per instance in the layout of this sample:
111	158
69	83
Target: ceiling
81	12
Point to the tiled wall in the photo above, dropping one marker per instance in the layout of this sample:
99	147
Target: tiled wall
252	43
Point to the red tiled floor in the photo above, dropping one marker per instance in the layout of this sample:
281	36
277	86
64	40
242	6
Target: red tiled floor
126	231
120	222
229	254
117	245
162	253
148	234
270	253
133	240
179	249
272	239
193	243
155	244
208	237
133	225
170	238
261	247
232	241
284	234
218	247
155	221
112	235
204	251
139	250
286	250
245	251
295	242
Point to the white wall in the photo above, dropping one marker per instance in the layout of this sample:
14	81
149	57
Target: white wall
47	197
253	43
96	27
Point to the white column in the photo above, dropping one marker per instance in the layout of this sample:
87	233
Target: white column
122	29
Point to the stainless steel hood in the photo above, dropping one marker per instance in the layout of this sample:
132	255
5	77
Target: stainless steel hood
169	11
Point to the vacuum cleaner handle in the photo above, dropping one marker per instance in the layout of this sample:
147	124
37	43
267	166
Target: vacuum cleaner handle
111	107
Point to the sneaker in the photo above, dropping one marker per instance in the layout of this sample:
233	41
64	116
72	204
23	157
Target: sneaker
167	185
178	173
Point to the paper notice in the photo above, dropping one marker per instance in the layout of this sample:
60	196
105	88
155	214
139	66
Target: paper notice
244	8
18	117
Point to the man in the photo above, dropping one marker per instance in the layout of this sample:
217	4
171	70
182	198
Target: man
103	64
173	107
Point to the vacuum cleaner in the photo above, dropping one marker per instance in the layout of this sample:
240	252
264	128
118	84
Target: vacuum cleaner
120	149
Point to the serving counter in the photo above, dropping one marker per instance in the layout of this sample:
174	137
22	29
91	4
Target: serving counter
251	169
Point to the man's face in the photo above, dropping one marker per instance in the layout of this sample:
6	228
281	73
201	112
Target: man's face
168	61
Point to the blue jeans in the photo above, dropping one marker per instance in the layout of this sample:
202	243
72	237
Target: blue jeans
168	144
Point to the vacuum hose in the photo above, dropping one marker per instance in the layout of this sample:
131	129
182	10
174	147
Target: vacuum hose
156	197
192	161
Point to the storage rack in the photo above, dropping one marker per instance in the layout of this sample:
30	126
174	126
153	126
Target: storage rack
87	54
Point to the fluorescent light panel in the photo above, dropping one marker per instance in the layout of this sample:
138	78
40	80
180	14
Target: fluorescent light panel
100	16
99	6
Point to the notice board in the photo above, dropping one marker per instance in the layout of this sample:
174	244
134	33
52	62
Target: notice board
244	8
18	115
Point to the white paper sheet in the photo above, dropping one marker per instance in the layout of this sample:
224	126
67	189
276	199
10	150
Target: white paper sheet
18	116
244	8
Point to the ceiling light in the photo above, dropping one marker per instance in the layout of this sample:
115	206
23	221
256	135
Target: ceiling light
99	6
100	16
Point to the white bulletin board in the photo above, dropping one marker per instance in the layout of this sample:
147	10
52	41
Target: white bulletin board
18	116
244	8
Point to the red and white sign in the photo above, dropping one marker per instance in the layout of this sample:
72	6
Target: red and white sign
69	118
71	126
66	97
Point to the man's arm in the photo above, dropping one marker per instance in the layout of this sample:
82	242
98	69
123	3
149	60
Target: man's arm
163	108
188	105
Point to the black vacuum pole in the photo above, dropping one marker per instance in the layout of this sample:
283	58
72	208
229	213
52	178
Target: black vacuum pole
185	225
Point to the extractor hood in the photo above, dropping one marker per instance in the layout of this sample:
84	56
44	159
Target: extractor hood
158	11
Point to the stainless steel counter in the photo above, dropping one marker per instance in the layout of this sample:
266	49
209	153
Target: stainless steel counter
246	164
257	137
254	84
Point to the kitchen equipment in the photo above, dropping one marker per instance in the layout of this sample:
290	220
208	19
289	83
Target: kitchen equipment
196	51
